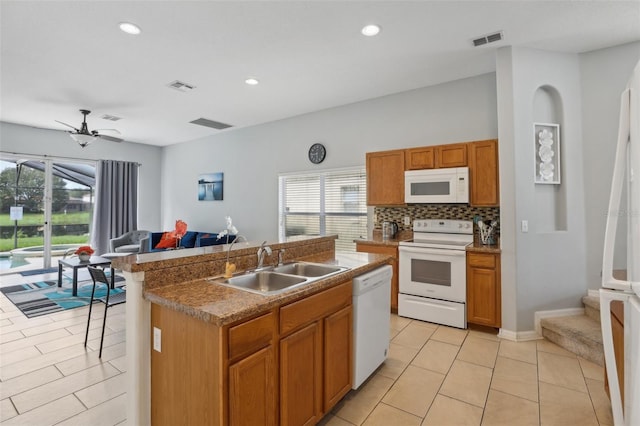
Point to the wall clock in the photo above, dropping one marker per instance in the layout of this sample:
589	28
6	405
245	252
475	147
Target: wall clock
317	152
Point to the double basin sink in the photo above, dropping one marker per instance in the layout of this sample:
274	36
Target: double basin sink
278	279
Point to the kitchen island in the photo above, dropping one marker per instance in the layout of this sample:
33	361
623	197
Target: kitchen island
173	287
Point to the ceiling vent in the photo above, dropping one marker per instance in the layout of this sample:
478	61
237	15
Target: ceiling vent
210	123
489	38
111	117
181	86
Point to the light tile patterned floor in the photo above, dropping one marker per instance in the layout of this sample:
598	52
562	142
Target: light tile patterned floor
434	375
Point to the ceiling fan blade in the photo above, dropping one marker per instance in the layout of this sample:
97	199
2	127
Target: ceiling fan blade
68	125
106	130
109	138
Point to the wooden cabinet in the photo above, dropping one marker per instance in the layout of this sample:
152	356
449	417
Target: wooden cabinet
389	251
420	158
385	178
301	376
483	173
452	155
617	328
288	366
483	289
315	360
252	389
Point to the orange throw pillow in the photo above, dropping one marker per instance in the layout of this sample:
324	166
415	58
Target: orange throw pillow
167	241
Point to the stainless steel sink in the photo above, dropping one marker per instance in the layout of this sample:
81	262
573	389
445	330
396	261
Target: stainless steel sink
280	279
307	269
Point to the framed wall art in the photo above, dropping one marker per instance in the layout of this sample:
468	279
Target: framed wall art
547	153
210	187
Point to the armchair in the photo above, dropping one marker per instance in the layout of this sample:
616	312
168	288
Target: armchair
129	242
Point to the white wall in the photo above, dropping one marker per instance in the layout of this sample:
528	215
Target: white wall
545	270
604	76
252	157
15	138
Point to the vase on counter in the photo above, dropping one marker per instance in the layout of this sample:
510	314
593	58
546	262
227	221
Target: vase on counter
84	257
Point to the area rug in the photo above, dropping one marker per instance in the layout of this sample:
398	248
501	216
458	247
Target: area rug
44	297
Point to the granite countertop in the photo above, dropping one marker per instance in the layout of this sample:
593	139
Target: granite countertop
222	305
376	238
481	248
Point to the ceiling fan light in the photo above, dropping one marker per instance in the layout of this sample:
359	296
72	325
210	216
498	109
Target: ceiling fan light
83	140
130	28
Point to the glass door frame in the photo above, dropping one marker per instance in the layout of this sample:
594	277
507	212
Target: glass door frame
48	162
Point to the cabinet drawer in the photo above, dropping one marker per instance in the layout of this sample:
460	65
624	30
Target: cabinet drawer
251	335
312	308
479	260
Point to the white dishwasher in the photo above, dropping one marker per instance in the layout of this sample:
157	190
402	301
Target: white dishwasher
371	317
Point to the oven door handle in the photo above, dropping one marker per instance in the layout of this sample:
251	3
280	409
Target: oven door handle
426	250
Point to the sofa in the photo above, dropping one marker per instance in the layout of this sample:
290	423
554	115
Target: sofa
190	240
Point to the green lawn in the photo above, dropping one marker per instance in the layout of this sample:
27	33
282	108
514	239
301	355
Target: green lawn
56	219
31	219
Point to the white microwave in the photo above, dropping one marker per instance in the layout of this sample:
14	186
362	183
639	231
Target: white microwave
450	185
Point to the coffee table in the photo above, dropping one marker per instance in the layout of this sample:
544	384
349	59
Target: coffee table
76	263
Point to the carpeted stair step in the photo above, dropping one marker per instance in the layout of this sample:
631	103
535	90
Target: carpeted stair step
579	334
592	307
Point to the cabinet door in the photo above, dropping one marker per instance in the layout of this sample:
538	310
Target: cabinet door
483	290
338	350
252	390
453	155
301	376
419	158
390	251
483	173
385	178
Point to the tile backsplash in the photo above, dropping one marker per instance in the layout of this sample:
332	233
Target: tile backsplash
433	211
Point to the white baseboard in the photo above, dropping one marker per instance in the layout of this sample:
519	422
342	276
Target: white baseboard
519	336
555	313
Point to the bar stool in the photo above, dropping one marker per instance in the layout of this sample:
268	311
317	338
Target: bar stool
98	276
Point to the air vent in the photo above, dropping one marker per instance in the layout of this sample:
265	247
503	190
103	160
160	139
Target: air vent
210	123
489	38
181	86
111	117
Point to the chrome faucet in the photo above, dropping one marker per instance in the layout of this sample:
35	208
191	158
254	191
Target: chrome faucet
264	248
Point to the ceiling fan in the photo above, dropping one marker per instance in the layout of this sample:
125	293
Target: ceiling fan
84	137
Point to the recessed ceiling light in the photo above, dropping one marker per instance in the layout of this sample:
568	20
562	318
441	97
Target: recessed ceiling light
370	30
252	81
130	28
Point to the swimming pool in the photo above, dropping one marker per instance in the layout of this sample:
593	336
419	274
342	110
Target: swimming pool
38	251
9	263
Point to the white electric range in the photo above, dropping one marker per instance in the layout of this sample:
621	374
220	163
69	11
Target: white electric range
432	278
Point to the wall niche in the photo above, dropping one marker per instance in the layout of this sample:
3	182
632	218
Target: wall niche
550	199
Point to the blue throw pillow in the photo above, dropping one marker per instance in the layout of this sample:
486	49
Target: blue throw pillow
189	239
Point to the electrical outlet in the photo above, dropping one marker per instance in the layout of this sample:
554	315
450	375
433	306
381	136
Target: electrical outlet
524	226
157	339
407	220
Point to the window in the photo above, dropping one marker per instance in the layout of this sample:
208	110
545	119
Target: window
326	203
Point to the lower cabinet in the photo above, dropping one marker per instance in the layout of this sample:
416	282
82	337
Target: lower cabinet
483	289
252	389
289	366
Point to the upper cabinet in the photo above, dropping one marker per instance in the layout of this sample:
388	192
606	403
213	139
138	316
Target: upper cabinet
420	158
385	170
483	173
385	178
453	155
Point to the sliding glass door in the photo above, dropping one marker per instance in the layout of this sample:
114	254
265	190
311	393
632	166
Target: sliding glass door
45	210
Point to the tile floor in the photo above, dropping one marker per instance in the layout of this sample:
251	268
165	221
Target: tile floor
434	375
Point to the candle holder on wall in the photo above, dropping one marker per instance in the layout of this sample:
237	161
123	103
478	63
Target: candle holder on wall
547	153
